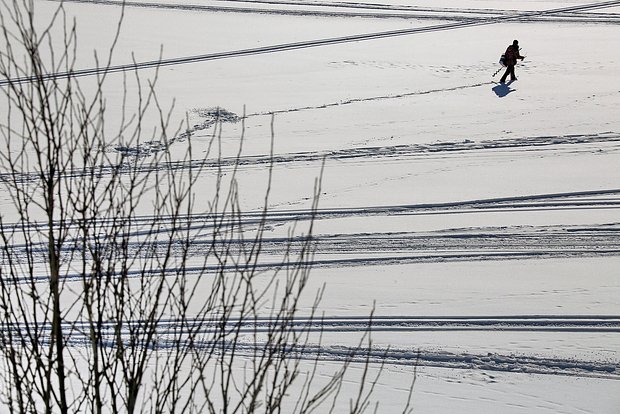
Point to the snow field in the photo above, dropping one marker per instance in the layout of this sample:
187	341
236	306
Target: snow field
479	223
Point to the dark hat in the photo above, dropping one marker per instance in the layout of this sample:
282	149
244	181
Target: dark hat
515	42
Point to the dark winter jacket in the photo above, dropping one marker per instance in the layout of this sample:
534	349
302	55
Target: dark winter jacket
512	54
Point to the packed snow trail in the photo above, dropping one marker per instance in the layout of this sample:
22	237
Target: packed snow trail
357	10
366	249
250	344
397	323
301	45
578	200
594	143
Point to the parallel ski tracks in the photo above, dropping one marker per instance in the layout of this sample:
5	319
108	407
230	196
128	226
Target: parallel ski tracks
385	154
397	153
520	16
202	333
593	199
359	9
358	323
381	249
490	361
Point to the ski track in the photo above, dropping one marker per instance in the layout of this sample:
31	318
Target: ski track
395	153
548	241
407	151
208	270
377	249
599	142
368	10
487	362
593	199
522	16
520	323
169	331
147	224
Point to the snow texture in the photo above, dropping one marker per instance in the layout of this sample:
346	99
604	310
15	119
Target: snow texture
481	221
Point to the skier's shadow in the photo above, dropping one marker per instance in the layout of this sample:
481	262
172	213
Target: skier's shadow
502	89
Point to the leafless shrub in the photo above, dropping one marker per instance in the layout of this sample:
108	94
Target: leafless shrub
104	304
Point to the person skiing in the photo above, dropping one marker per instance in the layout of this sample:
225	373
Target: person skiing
511	56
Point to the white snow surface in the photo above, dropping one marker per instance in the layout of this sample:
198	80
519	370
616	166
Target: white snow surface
479	220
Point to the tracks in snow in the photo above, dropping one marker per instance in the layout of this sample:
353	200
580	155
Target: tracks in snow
358	249
168	332
379	248
579	200
487	362
491	243
592	142
599	143
131	67
519	323
366	10
392	153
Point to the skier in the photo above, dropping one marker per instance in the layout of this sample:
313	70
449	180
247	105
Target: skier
511	56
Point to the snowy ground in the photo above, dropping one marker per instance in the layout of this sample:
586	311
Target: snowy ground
480	221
